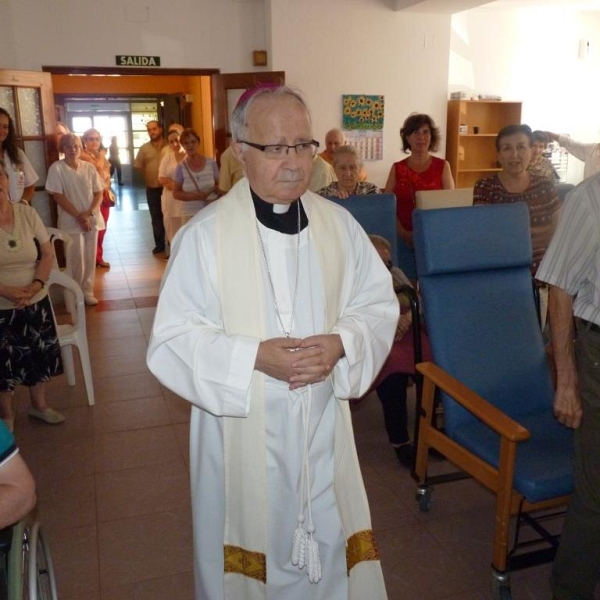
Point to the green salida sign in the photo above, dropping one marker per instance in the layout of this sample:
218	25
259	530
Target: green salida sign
137	61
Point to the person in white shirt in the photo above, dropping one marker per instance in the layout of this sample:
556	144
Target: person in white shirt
172	157
570	267
274	310
78	189
21	174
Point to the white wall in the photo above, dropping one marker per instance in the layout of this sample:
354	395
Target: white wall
532	55
363	47
184	33
327	49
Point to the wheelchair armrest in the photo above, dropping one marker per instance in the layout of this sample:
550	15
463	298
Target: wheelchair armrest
495	419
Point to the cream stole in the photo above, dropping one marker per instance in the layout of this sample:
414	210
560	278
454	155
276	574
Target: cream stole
243	307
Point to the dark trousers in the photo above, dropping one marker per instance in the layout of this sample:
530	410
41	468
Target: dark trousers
115	165
392	394
153	196
576	570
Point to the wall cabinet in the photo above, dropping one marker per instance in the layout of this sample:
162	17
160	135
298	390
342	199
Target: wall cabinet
472	126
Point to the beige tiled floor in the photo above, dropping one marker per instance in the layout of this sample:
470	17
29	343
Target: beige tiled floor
113	481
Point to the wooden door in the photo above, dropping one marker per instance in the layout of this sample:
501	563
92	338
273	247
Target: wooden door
173	110
28	98
226	91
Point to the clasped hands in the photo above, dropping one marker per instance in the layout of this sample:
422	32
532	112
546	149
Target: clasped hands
21	295
85	221
299	362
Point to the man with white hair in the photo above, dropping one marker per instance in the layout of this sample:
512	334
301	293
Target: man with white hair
275	309
334	138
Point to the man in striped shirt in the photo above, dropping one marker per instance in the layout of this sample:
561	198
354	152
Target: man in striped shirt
571	266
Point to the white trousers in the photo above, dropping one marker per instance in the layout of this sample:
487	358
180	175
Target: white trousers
82	260
172	226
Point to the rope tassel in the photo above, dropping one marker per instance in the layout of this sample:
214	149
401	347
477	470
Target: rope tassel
299	545
305	549
313	560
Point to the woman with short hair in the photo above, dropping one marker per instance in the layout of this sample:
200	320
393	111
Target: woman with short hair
92	153
172	157
539	164
514	183
420	171
29	347
77	190
347	166
196	178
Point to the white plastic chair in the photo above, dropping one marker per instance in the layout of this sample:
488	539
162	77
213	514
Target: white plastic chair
65	238
74	334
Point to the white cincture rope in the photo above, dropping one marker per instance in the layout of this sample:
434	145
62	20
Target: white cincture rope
305	549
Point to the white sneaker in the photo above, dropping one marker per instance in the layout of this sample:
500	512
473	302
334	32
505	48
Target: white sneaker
90	300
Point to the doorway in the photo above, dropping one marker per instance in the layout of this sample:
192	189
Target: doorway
208	95
123	119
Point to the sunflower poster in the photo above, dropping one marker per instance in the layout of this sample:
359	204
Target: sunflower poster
362	122
362	112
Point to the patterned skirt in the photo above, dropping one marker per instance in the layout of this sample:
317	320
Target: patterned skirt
29	348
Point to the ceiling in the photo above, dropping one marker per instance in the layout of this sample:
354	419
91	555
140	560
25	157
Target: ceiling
454	6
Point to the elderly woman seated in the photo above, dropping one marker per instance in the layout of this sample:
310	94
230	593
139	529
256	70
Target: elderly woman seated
347	166
392	380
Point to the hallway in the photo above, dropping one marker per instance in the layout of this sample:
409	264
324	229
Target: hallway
113	490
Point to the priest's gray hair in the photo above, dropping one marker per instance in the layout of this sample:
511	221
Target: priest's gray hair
239	118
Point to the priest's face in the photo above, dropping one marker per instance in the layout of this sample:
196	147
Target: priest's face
272	121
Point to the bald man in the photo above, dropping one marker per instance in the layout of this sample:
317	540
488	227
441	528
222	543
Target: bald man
334	138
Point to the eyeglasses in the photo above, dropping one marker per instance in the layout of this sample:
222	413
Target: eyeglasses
304	149
93	139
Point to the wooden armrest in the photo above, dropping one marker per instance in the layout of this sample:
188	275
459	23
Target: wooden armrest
474	403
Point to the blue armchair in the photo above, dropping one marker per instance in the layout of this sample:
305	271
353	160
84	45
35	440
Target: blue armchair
491	366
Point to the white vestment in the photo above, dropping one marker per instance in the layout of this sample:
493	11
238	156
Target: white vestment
191	353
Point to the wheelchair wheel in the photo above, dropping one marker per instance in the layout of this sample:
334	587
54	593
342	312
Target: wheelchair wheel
42	582
18	558
30	570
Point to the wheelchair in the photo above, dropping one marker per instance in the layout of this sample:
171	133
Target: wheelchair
26	570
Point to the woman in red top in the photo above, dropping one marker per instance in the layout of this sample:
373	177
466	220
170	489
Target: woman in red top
420	171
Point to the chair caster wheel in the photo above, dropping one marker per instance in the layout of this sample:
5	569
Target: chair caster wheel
423	497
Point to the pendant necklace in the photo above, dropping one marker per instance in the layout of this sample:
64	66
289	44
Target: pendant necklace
12	241
286	332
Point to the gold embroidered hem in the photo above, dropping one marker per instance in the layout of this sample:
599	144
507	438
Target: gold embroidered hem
361	546
245	562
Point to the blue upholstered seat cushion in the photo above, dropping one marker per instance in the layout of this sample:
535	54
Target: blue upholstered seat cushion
544	465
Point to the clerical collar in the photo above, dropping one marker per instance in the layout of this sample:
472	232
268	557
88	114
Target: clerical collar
284	222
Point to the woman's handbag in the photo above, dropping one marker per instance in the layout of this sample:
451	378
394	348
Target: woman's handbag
108	198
